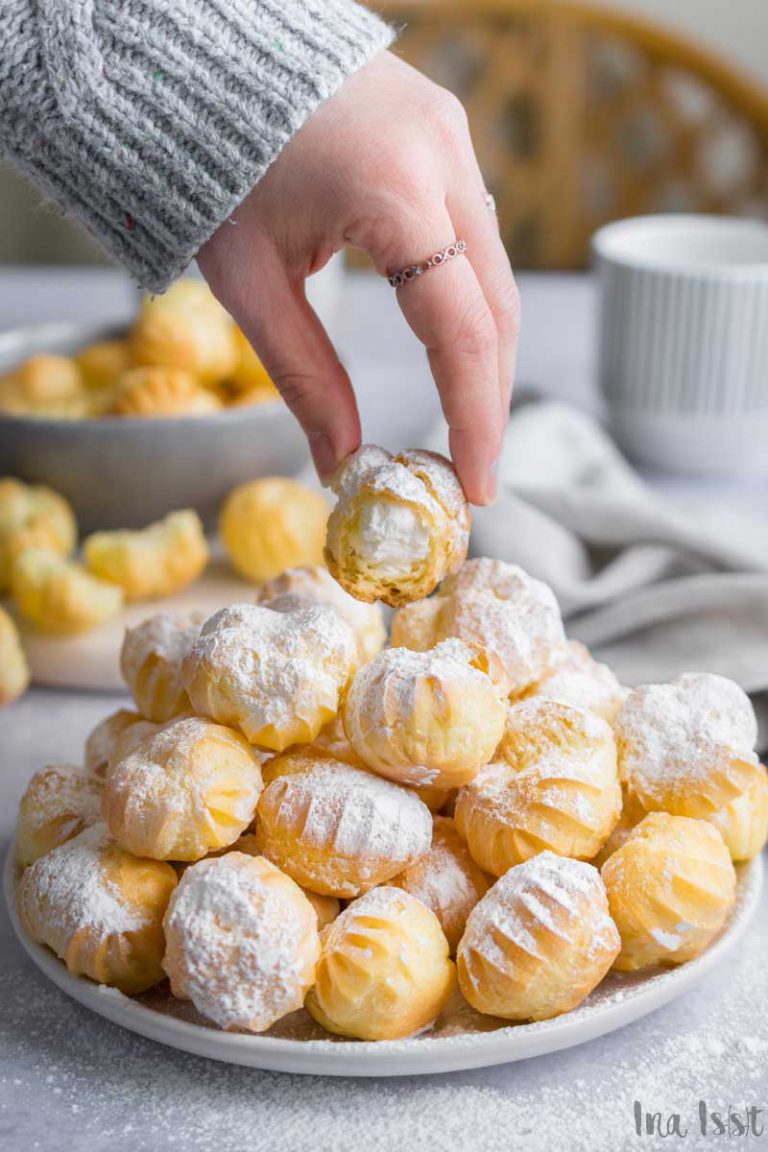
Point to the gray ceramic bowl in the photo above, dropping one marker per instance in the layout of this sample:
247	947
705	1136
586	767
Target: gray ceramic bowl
124	473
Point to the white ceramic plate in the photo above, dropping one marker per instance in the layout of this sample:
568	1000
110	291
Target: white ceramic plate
463	1039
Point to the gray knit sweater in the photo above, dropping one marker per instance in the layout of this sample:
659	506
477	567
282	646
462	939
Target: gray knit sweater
150	120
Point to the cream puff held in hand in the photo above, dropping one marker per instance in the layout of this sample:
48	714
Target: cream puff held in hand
400	526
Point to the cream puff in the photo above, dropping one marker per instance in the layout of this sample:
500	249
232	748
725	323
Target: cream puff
687	747
59	596
384	970
427	718
338	830
272	524
554	786
582	682
32	516
99	909
446	879
277	676
496	607
313	584
670	888
401	524
152	562
183	792
538	943
58	803
14	670
151	658
241	942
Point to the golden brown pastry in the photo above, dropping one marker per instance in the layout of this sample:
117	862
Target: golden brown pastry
743	823
427	718
150	661
401	524
14	671
497	607
687	747
272	524
59	596
161	391
313	584
153	562
187	329
554	786
242	942
58	803
539	941
579	680
277	676
670	888
338	830
446	879
32	516
99	909
332	743
183	792
101	364
44	386
101	740
632	812
384	970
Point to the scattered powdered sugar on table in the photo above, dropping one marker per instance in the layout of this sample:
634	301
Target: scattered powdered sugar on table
81	1083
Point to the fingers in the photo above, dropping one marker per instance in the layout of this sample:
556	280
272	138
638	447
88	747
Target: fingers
478	225
448	312
298	354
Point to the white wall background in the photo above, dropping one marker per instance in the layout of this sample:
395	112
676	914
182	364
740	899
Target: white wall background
736	29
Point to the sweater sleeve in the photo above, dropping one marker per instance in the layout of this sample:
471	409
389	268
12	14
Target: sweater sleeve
150	120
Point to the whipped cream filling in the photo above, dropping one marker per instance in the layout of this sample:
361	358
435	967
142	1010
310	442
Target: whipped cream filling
390	536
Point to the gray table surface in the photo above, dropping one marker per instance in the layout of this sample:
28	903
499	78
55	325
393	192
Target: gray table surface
69	1080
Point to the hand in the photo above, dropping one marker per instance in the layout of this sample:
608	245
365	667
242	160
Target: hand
386	165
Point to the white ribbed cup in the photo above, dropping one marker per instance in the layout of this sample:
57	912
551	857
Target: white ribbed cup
683	341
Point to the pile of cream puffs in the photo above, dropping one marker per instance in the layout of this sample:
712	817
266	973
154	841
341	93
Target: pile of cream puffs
297	816
182	356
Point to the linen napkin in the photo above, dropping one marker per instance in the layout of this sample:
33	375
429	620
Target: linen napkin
652	590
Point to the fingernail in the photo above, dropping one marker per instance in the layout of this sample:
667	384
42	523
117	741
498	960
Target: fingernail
324	456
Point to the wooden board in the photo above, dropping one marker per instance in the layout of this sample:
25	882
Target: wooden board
90	661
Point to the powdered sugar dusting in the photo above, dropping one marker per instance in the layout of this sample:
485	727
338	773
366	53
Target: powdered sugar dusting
165	637
313	584
582	682
500	608
68	889
671	735
351	813
242	941
256	667
547	891
61	791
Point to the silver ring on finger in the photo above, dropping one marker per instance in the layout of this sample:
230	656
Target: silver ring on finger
413	271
